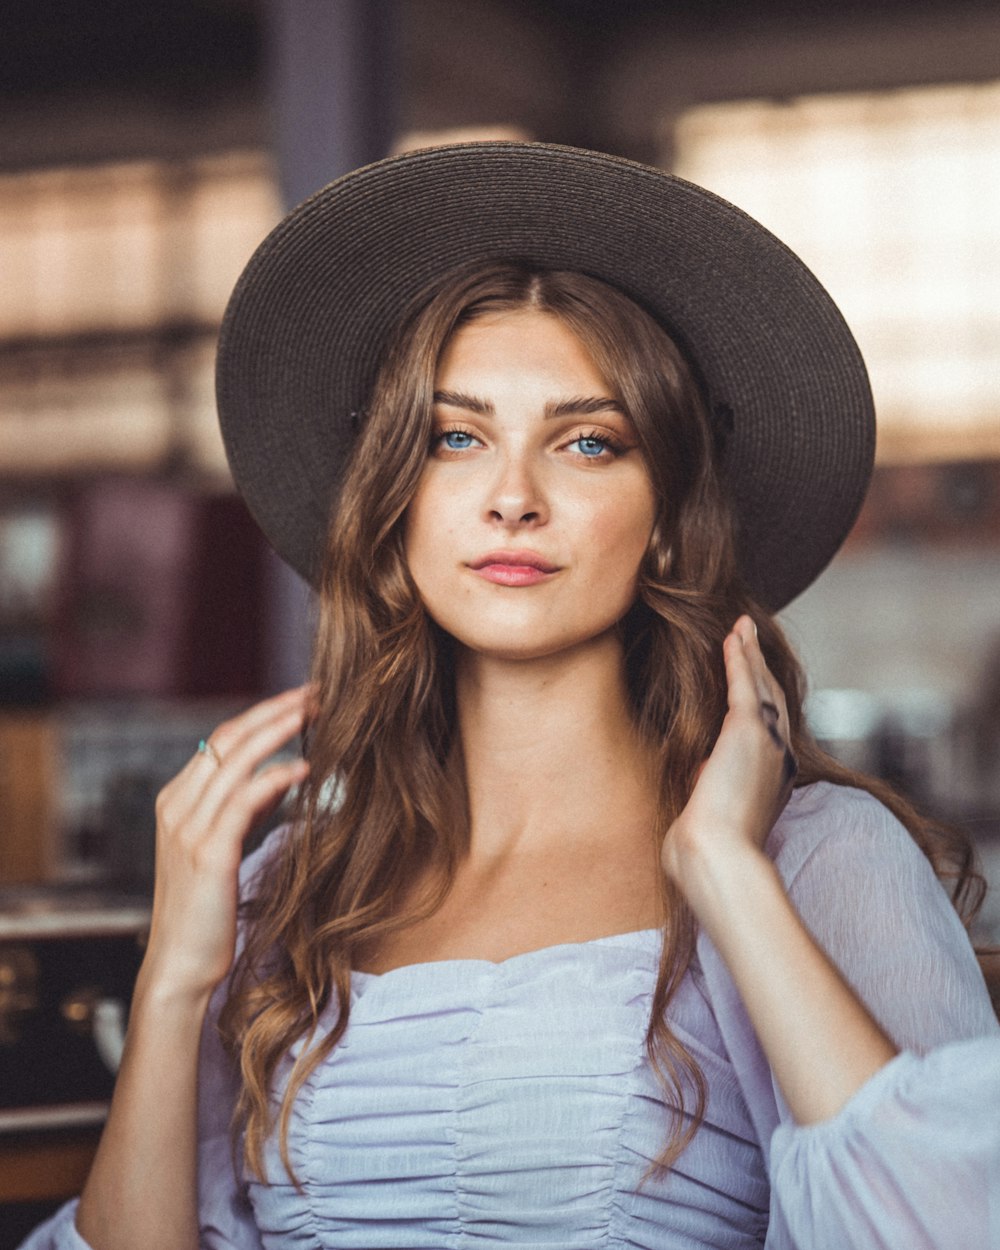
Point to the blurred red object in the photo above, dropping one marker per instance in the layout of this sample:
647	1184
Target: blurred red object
161	593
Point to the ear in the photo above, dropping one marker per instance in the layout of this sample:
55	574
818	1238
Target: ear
659	554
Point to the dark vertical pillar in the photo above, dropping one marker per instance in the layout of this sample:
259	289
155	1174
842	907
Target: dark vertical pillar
332	77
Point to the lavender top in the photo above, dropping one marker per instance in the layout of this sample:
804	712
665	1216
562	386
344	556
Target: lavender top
478	1104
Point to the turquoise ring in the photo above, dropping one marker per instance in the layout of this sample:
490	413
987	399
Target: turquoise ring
205	748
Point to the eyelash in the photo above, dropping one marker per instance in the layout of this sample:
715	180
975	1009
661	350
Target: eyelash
612	445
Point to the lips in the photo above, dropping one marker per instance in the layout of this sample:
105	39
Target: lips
516	559
513	568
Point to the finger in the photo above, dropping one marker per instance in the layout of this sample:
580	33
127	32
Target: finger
273	804
743	695
205	747
225	737
773	704
778	705
745	685
747	631
770	712
243	761
219	847
194	796
230	734
255	800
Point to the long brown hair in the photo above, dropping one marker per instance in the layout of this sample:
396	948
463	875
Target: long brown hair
386	798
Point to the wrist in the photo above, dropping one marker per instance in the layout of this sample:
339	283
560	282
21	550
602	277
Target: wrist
718	874
161	989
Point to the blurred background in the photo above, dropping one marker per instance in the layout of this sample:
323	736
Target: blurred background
146	148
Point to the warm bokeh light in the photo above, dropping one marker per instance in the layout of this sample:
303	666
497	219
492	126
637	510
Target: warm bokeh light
891	198
115	280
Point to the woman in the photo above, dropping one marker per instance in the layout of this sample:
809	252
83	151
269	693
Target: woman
576	938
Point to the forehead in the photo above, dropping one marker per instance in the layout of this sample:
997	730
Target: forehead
524	343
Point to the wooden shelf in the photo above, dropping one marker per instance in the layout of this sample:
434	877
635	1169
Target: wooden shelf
40	1167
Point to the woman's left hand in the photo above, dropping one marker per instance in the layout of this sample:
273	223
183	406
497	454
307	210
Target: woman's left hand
747	779
819	1038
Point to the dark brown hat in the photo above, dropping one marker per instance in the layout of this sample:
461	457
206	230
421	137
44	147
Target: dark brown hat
313	313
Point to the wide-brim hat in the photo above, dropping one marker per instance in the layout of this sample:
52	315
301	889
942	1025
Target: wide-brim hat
315	309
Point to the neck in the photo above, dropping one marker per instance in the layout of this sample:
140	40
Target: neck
551	754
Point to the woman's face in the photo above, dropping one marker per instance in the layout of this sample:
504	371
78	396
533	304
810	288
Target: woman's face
535	508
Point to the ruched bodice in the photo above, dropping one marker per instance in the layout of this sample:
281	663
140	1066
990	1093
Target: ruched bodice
473	1103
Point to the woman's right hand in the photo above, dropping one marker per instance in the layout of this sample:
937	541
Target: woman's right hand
203	817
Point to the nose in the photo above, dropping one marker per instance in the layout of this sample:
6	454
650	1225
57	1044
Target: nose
515	497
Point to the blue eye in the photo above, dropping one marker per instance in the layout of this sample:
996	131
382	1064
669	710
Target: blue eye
592	447
457	440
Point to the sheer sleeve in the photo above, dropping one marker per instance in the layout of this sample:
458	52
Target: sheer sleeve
57	1233
912	1162
225	1216
224	1213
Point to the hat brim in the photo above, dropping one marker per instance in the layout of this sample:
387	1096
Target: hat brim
311	317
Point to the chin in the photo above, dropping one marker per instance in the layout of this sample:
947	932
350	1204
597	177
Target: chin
513	645
513	652
522	630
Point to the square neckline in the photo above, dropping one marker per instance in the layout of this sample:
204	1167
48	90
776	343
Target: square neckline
636	935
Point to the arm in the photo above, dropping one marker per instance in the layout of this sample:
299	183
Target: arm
145	1169
913	1158
819	1038
143	1188
224	1214
910	1160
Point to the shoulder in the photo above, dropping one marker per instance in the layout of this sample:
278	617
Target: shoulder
870	897
837	826
259	878
253	882
255	865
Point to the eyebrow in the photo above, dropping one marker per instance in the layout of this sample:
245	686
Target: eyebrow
584	405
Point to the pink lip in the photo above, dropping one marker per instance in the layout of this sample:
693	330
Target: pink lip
513	568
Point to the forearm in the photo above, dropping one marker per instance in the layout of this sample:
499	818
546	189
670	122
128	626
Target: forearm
819	1038
142	1189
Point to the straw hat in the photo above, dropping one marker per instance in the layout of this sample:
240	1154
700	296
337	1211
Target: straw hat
313	312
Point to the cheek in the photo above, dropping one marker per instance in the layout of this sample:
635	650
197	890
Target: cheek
428	527
621	531
415	533
421	518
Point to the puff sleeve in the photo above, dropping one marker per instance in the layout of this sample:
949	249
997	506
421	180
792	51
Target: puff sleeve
912	1161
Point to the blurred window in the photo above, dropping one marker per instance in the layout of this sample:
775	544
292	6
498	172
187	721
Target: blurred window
891	199
127	246
115	280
